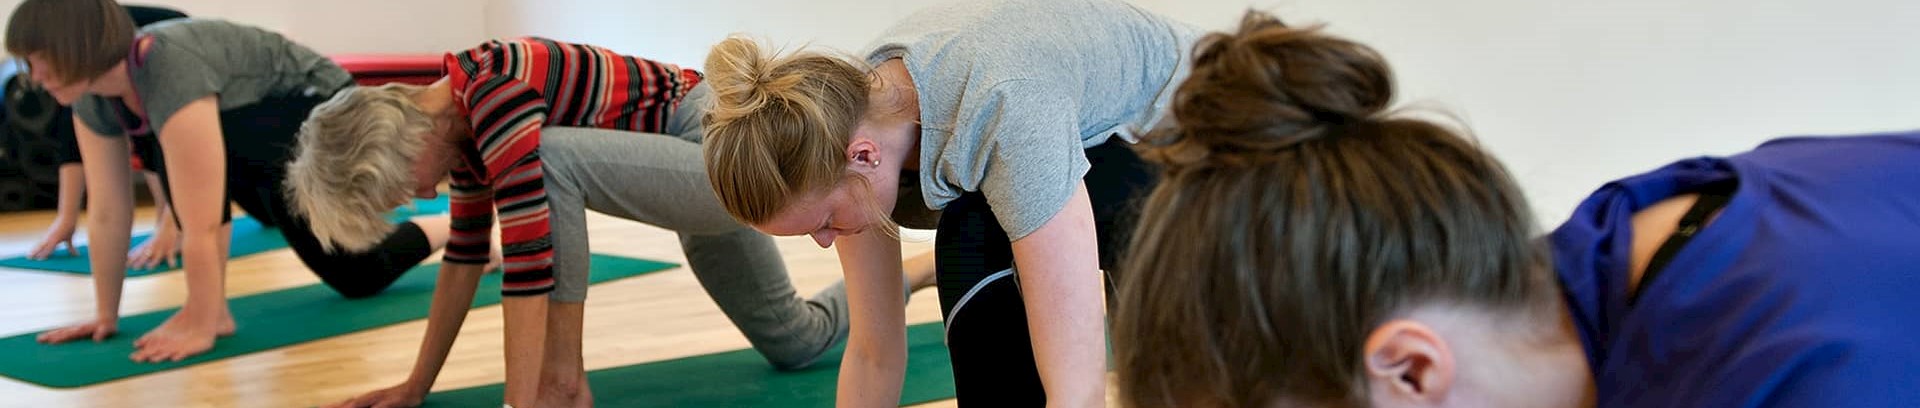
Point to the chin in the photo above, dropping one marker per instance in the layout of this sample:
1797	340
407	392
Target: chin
65	99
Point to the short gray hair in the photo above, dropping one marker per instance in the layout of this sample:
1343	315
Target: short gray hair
354	163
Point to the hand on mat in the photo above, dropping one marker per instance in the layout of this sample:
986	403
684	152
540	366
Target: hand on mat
184	335
163	247
61	232
96	330
405	395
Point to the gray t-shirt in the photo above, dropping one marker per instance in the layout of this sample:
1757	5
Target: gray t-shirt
1012	91
190	59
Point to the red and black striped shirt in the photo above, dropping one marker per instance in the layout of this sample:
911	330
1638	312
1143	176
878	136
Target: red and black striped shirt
510	89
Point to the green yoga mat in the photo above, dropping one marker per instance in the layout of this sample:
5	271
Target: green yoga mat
266	321
740	378
249	237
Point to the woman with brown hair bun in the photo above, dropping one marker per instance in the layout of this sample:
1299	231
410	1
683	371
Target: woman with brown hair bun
1308	247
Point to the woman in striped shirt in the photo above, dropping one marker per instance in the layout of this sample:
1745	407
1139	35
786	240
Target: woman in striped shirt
542	131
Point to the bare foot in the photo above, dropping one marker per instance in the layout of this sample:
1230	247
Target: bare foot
186	334
573	392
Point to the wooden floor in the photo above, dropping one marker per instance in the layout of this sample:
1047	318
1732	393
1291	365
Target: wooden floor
653	317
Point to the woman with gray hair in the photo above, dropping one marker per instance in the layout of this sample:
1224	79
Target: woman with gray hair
541	132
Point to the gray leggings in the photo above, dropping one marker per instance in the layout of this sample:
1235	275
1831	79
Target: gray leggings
659	180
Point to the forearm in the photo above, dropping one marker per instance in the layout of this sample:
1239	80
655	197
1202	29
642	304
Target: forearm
109	220
1059	272
73	192
876	358
108	226
205	257
163	214
872	371
526	331
164	222
1068	335
195	150
452	298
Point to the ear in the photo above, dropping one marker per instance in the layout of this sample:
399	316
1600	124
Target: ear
1405	361
863	154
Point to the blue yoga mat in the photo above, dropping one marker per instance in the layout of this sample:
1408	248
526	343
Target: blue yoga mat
249	237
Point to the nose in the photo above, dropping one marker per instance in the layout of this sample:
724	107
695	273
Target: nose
824	238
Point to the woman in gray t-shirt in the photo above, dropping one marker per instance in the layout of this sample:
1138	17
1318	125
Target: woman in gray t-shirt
1011	117
224	101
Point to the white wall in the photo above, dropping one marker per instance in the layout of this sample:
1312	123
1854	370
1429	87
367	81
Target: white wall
1569	93
1572	94
680	32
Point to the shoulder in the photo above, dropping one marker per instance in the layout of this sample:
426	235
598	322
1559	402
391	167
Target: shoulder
97	113
212	39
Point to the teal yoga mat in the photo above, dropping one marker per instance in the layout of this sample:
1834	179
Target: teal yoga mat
740	378
249	237
266	321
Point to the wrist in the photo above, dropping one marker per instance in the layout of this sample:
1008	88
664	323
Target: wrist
415	387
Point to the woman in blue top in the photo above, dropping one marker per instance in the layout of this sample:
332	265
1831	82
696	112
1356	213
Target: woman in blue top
1311	248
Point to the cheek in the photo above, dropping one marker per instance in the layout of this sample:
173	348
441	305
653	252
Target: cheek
852	216
66	95
426	174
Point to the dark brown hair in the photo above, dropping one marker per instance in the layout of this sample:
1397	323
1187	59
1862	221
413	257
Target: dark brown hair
1295	215
82	39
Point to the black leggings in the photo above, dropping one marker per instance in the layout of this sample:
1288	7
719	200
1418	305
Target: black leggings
260	142
986	318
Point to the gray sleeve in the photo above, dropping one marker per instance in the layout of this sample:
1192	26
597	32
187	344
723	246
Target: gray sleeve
173	77
97	114
1030	152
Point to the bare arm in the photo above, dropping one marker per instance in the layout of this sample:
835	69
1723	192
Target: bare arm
163	247
109	218
196	151
875	362
163	213
1059	265
526	327
73	189
109	222
452	298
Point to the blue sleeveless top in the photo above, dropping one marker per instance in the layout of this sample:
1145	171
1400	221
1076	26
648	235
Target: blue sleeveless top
1804	292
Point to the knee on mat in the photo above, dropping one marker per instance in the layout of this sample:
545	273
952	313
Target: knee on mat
356	290
356	282
790	361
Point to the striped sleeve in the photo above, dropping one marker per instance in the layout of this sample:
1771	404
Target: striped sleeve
472	213
507	116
